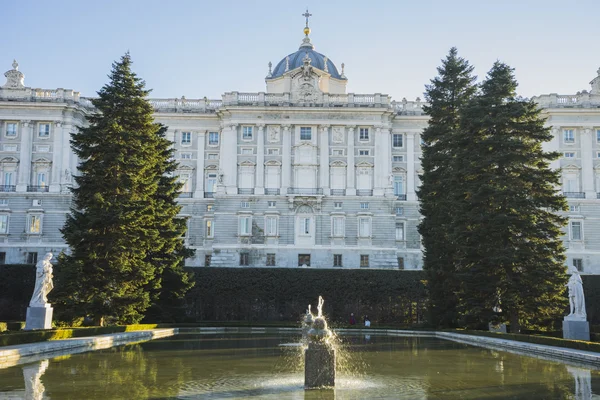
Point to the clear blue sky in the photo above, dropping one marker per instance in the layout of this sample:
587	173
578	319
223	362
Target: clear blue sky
203	48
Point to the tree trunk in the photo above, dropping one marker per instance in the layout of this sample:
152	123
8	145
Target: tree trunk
515	327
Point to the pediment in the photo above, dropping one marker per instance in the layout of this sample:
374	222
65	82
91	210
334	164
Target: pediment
399	170
211	167
185	168
42	160
364	164
9	160
571	167
273	163
247	163
338	164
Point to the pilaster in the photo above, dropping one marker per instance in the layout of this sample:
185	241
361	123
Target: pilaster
324	157
199	189
351	171
260	159
228	158
410	167
587	164
380	171
65	169
57	150
25	156
286	159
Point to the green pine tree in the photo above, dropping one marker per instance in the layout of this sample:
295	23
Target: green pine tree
447	95
507	229
123	230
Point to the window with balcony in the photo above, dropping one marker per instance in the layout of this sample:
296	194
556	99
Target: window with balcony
305	133
568	136
337	227
271	226
3	224
44	130
213	138
398	185
211	183
209	228
34	224
363	134
397	140
575	230
186	138
364	227
247	133
11	129
245	226
400	231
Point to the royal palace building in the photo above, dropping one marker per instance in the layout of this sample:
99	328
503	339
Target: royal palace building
303	174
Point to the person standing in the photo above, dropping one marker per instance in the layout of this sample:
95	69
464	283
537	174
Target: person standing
367	321
352	319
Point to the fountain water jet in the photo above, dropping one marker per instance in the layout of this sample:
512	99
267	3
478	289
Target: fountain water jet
319	357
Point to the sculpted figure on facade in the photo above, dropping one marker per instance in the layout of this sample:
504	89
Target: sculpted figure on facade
43	282
576	298
14	78
273	134
338	135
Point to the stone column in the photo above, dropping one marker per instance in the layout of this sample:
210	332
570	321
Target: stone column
228	158
199	189
351	169
66	174
587	164
286	159
410	167
324	158
388	183
57	150
24	178
380	170
553	145
260	160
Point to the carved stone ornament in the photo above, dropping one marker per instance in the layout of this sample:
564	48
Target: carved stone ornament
338	135
273	134
14	78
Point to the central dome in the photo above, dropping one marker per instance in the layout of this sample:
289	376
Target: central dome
295	61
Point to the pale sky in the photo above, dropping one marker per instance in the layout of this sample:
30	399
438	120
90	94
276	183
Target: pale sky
203	48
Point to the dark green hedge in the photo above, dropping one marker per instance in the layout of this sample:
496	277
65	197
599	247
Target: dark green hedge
279	294
16	287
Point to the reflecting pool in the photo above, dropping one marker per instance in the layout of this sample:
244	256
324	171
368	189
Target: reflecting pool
231	366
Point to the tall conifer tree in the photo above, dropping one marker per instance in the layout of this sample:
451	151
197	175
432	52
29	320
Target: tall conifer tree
123	229
507	228
447	95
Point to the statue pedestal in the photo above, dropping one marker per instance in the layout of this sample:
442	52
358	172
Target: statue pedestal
39	318
319	366
576	328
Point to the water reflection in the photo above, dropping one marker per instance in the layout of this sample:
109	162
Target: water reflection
253	366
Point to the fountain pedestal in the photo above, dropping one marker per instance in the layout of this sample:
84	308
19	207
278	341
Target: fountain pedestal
576	328
319	368
38	318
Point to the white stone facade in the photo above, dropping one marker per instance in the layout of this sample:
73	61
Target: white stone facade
302	174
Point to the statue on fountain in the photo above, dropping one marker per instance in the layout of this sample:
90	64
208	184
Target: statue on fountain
319	357
575	325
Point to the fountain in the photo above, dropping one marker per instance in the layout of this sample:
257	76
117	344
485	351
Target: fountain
319	357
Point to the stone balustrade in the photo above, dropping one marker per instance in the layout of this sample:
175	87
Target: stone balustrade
580	100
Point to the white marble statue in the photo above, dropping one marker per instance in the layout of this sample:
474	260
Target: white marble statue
576	299
43	282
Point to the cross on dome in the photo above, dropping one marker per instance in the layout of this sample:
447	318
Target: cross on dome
306	28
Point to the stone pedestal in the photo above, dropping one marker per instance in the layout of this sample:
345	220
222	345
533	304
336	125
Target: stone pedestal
319	366
39	318
576	329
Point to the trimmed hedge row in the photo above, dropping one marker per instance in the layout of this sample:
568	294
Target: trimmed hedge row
14	338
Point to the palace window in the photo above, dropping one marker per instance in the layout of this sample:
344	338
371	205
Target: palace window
305	133
337	205
364	206
569	136
598	135
363	134
400	262
31	258
305	226
271	226
271	204
364	227
575	230
569	154
244	259
34	224
363	152
578	263
397	140
244	204
246	133
186	156
213	138
186	138
3	224
11	129
44	130
209	228
273	152
400	231
337	226
398	158
338	152
207	260
245	226
271	260
364	260
211	183
399	210
209	207
398	185
574	208
9	178
337	260
247	151
212	156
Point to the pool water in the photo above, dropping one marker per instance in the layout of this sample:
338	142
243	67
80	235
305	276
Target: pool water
232	366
